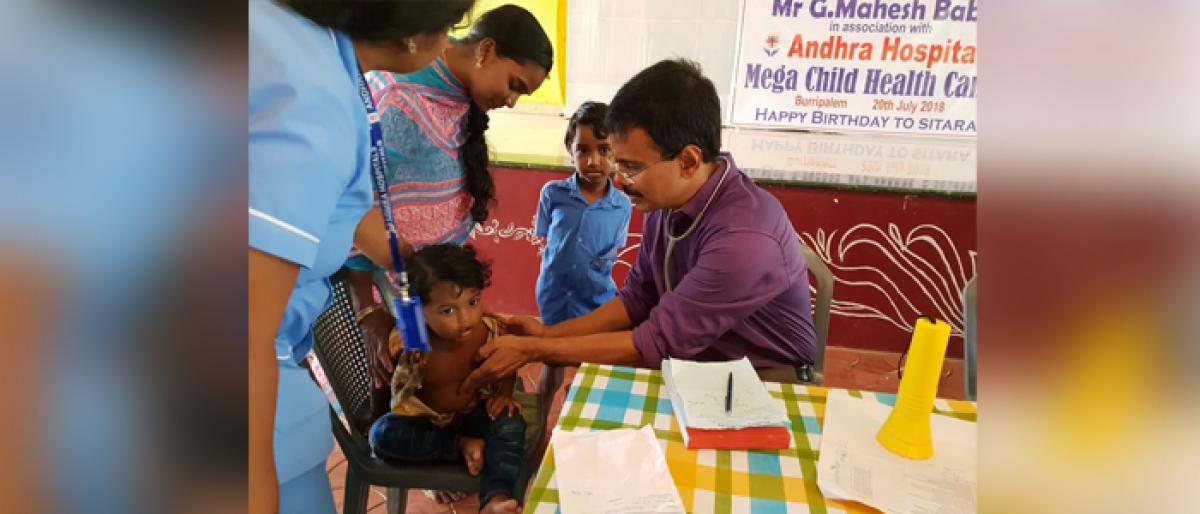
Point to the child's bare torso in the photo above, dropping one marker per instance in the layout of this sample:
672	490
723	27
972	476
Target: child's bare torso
448	363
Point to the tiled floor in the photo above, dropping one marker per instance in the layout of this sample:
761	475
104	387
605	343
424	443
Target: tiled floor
844	368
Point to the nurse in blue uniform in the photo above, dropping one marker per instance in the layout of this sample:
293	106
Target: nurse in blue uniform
310	184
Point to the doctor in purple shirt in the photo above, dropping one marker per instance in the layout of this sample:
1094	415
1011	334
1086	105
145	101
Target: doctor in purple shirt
720	275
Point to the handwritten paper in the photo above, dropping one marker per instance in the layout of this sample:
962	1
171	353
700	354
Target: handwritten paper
699	387
613	472
854	466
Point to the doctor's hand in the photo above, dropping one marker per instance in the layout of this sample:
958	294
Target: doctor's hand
501	357
524	326
517	325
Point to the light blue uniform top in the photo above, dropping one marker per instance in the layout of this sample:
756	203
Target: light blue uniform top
309	186
582	242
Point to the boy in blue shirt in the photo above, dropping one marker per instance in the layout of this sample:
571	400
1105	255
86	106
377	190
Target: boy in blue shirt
585	221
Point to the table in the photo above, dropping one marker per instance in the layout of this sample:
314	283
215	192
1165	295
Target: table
770	481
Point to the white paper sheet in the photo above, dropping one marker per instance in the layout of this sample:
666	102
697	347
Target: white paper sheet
854	466
700	388
612	472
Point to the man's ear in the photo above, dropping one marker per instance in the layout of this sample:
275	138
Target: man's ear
690	159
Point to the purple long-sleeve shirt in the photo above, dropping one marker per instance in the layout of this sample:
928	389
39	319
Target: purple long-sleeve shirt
740	283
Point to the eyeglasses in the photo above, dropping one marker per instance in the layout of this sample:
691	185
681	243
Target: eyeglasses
628	174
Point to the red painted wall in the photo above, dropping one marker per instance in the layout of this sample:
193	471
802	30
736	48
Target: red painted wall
894	256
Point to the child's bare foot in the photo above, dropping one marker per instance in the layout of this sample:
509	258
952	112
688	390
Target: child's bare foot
501	504
444	497
472	449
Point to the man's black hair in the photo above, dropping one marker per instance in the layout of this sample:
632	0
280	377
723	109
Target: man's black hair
675	104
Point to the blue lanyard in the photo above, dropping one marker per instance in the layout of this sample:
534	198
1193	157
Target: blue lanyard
410	320
379	174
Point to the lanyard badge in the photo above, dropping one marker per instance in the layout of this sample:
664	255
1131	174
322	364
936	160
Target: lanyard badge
410	321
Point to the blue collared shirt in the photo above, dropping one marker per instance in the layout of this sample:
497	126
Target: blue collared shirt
582	242
309	186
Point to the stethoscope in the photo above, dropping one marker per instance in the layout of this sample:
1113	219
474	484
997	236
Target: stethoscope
671	240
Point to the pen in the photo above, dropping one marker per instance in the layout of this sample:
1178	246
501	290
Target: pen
729	394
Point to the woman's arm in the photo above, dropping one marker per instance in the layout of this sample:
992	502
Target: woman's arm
362	289
376	324
371	238
271	280
32	294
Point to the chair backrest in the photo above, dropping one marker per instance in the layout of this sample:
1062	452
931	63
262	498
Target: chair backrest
821	304
338	344
970	332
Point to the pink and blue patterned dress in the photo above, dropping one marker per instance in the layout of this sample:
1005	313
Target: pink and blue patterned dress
424	125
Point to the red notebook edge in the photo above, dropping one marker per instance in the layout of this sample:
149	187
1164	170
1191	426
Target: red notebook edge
749	438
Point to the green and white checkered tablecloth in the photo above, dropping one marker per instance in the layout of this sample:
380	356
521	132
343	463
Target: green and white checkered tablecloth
722	481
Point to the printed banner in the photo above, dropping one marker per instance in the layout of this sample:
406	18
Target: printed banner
857	65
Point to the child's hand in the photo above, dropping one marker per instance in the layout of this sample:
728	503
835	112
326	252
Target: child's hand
498	403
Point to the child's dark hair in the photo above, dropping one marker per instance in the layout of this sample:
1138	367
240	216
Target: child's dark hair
590	114
675	104
452	263
519	37
383	21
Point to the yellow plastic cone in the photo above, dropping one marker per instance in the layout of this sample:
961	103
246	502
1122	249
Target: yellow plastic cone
906	432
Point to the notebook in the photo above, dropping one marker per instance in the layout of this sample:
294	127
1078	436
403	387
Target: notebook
698	390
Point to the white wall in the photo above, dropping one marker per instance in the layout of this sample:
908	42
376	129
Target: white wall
608	41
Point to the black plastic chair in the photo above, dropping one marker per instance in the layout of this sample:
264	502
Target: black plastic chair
339	348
